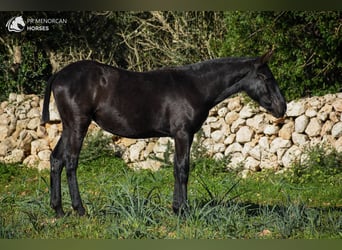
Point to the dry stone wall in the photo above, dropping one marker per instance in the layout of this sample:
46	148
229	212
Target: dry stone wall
249	135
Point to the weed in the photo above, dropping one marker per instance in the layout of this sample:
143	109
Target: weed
321	162
9	171
96	145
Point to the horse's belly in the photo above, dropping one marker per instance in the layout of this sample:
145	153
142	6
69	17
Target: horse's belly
131	126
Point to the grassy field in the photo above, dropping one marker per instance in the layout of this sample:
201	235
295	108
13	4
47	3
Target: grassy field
305	203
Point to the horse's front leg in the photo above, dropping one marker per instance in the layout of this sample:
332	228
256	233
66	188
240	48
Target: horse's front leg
183	142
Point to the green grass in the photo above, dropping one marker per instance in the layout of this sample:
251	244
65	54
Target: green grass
126	204
304	203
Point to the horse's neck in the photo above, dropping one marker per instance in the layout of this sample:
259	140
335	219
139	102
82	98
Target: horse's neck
220	78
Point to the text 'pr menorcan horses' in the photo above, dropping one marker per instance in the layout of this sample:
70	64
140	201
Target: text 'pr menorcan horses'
172	102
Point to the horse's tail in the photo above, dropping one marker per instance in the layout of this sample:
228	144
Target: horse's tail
46	104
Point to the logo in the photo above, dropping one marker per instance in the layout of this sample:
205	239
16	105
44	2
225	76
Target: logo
16	24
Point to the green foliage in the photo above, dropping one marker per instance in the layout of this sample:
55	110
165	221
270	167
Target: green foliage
320	164
165	38
30	57
28	76
96	145
86	36
31	74
8	172
202	162
126	204
307	60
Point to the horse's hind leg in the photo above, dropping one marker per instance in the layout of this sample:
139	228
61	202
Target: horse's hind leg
56	163
75	140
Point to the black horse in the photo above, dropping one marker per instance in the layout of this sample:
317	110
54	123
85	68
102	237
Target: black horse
171	102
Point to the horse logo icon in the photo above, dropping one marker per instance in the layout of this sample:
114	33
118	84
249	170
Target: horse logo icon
16	24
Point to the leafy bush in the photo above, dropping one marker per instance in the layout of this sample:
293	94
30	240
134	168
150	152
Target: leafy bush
96	145
307	60
319	165
28	76
29	58
164	38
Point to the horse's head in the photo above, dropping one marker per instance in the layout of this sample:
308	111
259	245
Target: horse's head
16	24
19	20
263	88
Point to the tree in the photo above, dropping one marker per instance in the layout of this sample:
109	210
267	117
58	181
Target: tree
307	60
165	38
30	57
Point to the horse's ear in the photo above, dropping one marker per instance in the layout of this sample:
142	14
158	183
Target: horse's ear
265	58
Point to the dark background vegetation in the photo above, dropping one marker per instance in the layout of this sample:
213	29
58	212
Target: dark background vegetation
307	60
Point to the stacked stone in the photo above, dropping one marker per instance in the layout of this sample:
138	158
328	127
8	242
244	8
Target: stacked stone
256	140
253	138
22	139
143	153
